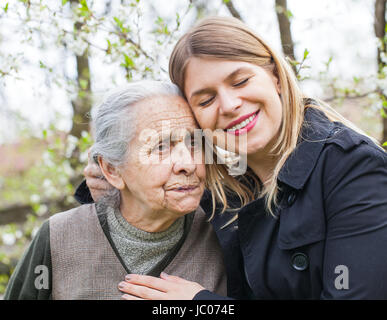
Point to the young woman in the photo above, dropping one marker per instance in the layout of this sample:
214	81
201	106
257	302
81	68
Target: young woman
315	227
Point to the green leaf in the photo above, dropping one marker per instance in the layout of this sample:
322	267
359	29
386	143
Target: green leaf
64	2
118	22
6	7
384	144
128	62
383	113
84	4
306	52
109	47
159	20
83	84
226	1
294	62
120	25
84	9
289	14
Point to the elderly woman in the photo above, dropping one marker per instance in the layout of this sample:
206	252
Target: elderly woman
150	223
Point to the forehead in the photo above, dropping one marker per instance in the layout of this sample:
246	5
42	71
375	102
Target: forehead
202	72
157	112
208	64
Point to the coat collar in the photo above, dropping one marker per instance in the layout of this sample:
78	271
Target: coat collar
316	129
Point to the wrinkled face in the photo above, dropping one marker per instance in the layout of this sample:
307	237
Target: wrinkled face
237	97
163	171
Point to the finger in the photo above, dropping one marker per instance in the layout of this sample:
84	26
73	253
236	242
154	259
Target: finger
130	297
97	184
172	278
148	281
141	291
92	170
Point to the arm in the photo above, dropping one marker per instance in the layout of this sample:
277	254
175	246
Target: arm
32	277
167	287
208	295
356	211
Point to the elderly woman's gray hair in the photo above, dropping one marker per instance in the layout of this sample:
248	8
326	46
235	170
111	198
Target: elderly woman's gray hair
114	124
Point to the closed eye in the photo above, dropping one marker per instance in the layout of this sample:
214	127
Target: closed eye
161	147
241	82
193	142
204	103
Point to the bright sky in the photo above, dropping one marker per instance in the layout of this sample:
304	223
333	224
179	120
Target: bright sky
342	29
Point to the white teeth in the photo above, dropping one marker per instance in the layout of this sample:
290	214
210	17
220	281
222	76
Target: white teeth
242	124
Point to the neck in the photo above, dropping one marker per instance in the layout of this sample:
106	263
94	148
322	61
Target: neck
145	218
263	166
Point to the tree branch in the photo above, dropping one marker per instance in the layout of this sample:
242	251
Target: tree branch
380	32
285	30
358	96
18	213
234	12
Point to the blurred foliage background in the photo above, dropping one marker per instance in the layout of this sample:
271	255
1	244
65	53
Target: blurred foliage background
58	57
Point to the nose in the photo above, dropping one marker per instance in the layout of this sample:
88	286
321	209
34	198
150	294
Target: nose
228	100
182	160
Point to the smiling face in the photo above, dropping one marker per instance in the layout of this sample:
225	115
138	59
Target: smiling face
238	97
161	174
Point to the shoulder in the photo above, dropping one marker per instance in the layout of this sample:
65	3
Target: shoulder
75	214
41	241
349	151
35	260
353	170
348	140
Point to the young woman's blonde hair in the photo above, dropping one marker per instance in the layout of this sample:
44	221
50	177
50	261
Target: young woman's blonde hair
230	39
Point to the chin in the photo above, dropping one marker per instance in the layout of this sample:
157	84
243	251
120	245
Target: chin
186	208
257	147
257	144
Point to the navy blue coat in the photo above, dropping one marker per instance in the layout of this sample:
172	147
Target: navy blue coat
329	237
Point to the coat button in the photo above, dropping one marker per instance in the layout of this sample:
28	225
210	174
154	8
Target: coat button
337	130
300	261
291	198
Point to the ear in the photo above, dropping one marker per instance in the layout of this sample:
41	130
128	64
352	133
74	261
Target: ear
111	174
278	85
273	73
276	80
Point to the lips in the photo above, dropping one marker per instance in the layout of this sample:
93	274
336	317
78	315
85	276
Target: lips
239	127
187	188
240	120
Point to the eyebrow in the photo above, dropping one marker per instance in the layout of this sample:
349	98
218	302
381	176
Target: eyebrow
228	78
171	135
